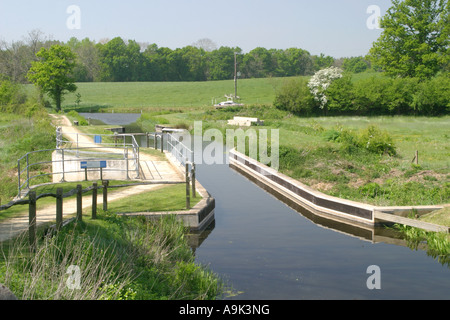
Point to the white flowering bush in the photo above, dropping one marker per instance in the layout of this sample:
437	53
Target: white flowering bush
321	81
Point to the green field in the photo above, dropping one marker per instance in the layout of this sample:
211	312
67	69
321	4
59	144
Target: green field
166	95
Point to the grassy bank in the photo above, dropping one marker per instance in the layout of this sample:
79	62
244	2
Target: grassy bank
117	258
21	134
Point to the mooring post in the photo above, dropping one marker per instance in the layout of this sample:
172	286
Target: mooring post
188	197
59	208
94	201
79	202
32	220
105	195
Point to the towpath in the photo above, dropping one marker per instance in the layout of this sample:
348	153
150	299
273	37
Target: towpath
153	169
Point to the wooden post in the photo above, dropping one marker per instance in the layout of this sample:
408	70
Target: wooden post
188	198
162	142
417	157
105	195
32	220
59	208
94	201
194	192
79	202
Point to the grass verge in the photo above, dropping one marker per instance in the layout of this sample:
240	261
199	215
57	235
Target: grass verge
110	258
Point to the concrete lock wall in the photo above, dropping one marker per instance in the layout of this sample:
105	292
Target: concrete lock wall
115	169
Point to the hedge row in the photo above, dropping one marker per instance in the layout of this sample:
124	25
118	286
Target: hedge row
376	95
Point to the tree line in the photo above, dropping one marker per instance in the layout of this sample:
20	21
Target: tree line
119	60
414	54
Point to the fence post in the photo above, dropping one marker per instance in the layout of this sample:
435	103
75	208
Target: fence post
162	142
62	157
94	201
59	208
28	173
79	202
32	220
193	181
126	162
18	176
105	195
188	198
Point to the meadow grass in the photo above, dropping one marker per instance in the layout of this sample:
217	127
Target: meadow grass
119	258
136	96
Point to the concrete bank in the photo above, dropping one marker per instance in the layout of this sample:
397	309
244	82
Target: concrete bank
346	211
199	216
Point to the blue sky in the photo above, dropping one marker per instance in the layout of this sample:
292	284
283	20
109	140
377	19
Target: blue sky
333	27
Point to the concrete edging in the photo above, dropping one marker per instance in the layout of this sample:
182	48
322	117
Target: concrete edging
328	206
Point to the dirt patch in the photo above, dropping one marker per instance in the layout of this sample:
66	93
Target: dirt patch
323	186
426	174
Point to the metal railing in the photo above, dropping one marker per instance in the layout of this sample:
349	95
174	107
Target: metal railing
27	173
179	150
79	151
105	147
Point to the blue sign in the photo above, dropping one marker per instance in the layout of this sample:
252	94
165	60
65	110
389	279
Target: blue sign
93	164
98	139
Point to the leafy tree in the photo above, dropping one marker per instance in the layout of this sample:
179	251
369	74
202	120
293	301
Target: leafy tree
52	72
221	63
415	39
355	64
322	62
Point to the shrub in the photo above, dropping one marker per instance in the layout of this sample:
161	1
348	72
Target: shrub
371	190
321	81
371	96
294	96
371	139
376	141
340	95
81	120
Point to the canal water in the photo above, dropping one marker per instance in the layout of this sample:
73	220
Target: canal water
267	250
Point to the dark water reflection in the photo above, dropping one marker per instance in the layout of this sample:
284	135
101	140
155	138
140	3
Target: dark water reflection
119	119
266	249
